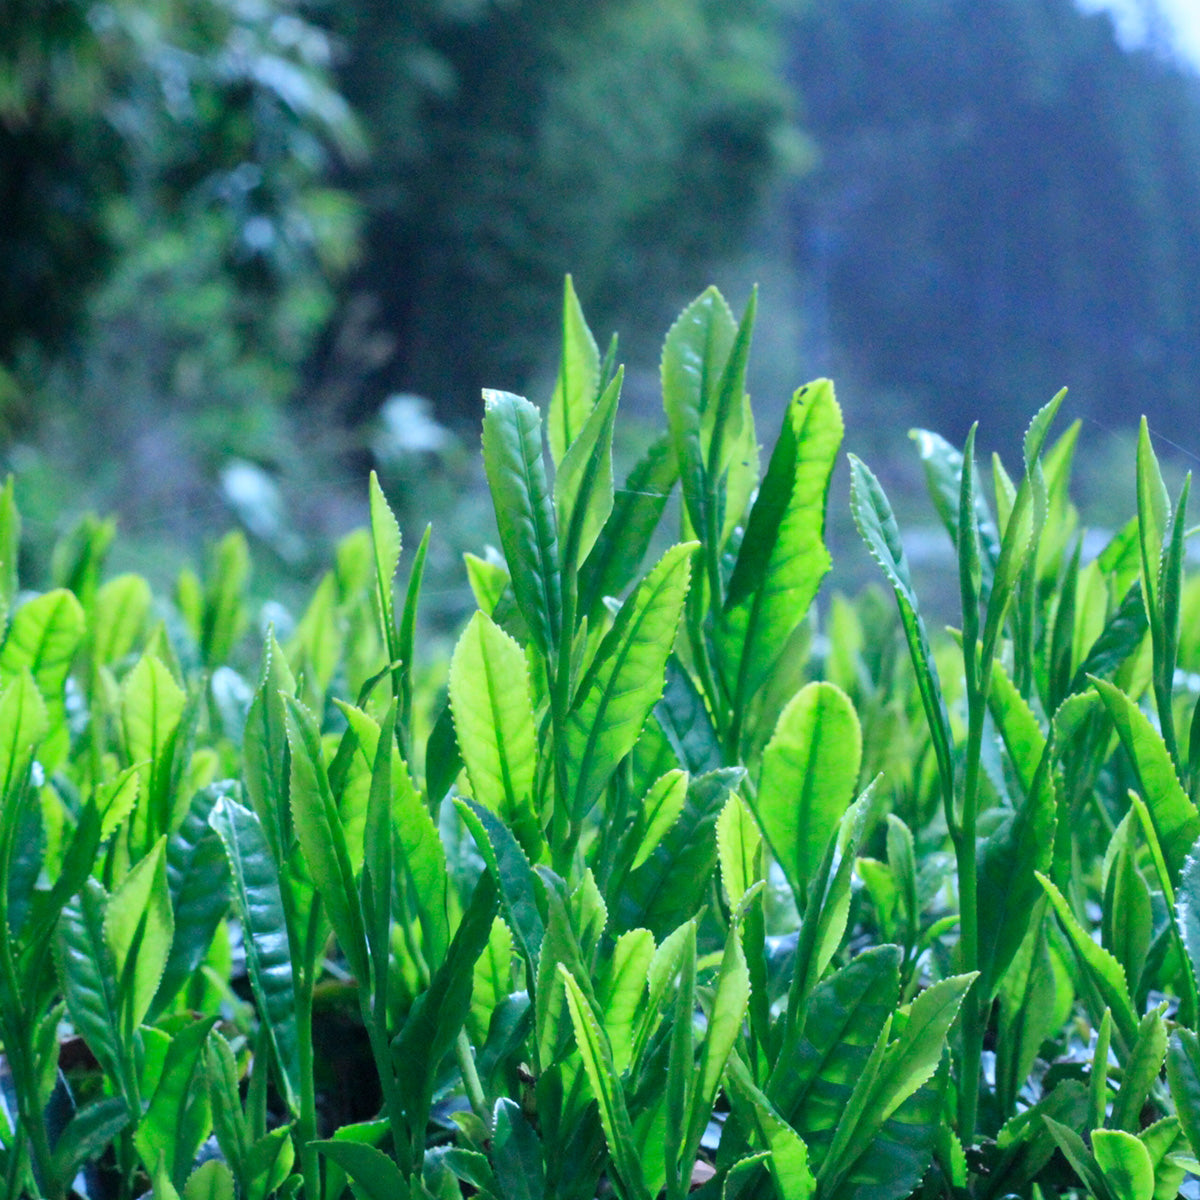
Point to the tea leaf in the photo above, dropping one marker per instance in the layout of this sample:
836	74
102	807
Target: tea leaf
178	1118
44	634
1188	908
494	724
422	857
265	749
583	486
943	465
1176	819
439	1013
606	1087
373	1173
666	890
731	998
385	543
738	843
516	1154
1121	636
695	352
88	1135
1183	1076
782	558
211	1180
657	812
24	722
846	1014
222	615
516	473
898	1155
1127	916
625	537
514	877
139	926
319	830
809	773
1105	975
625	679
877	525
268	956
788	1163
620	989
118	617
1141	1072
198	879
88	974
1153	513
1077	1154
578	377
1125	1164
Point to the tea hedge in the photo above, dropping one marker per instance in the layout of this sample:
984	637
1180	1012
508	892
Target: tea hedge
653	898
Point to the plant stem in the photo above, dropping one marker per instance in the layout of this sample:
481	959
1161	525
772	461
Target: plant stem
968	899
465	1057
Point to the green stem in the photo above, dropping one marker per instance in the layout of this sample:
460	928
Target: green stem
304	955
470	1077
968	898
563	834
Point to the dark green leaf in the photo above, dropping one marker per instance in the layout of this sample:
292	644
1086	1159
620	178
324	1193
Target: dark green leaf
374	1174
87	1136
198	878
877	524
516	1154
637	508
256	891
1176	820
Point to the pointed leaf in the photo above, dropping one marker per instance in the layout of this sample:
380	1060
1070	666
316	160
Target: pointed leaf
583	486
578	377
319	830
782	558
606	1087
877	525
198	878
516	473
491	700
1104	973
139	924
625	680
376	1176
1176	819
256	891
809	776
621	546
89	976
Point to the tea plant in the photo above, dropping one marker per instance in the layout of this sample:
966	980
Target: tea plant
649	901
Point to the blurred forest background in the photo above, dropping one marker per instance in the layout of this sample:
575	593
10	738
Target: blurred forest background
250	248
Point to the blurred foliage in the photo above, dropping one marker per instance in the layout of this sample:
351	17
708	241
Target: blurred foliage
626	142
170	227
1005	196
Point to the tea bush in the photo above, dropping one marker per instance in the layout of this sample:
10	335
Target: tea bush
650	899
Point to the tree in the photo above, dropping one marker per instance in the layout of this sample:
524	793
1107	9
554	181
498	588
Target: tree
626	142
